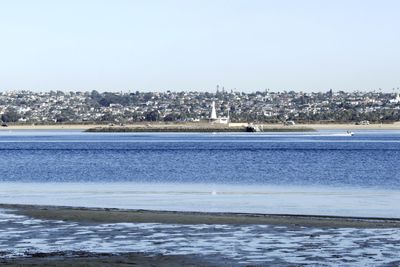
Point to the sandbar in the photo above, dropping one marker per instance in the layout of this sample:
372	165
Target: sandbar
107	215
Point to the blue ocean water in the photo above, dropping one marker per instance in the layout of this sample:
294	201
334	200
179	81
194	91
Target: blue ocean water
368	159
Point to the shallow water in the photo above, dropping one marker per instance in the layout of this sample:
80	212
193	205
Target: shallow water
325	172
208	198
246	244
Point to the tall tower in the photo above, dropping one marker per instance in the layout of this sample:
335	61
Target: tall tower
213	112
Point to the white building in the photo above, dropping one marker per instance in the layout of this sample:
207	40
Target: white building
395	100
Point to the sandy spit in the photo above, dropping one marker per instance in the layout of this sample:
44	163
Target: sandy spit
106	215
330	126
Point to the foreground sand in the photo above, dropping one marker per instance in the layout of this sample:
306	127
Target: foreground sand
283	240
83	259
102	215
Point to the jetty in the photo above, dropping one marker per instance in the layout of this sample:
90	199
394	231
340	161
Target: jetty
196	128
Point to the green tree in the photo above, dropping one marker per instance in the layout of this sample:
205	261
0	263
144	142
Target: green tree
11	115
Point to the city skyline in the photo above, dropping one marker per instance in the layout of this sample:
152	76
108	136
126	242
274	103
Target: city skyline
272	107
216	89
195	45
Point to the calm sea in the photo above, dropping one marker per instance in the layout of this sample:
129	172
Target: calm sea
223	172
368	159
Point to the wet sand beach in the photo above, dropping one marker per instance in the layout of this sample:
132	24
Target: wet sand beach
69	236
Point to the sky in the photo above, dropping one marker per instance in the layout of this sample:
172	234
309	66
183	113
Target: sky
159	45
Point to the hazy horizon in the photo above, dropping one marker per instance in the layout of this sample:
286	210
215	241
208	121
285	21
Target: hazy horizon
393	90
389	91
177	45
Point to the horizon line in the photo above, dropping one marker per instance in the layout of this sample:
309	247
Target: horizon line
235	90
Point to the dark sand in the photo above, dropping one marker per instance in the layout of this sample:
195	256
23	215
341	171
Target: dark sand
81	259
104	215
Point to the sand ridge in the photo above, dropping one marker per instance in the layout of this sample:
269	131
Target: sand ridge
107	215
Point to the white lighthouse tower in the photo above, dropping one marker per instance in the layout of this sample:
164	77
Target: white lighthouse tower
215	119
213	116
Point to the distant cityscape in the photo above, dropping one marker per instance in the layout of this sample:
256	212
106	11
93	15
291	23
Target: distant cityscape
27	107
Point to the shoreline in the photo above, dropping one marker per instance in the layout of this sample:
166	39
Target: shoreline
171	126
111	215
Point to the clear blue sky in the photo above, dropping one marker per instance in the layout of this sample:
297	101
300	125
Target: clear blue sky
151	45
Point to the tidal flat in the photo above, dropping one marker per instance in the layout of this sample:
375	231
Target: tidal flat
65	236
